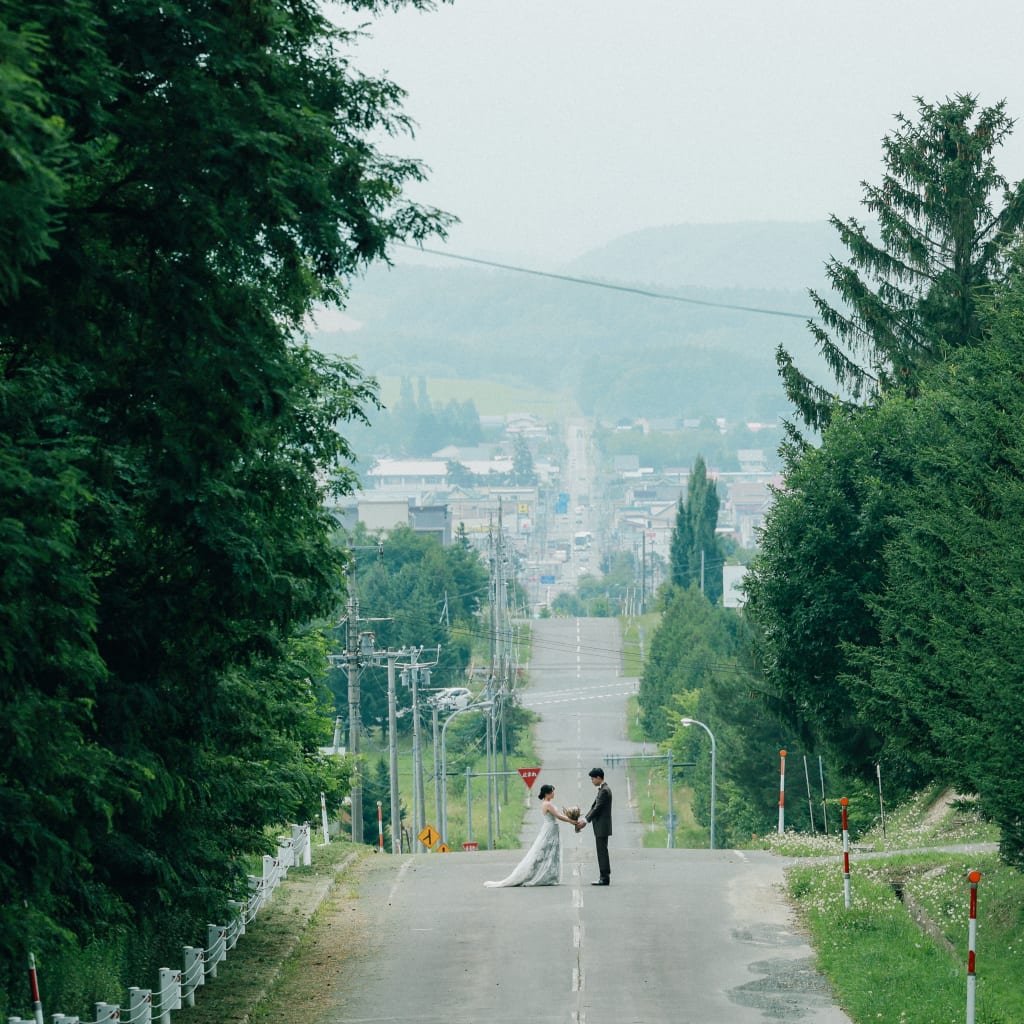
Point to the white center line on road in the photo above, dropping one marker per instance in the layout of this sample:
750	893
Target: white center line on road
577	899
527	703
577	980
398	881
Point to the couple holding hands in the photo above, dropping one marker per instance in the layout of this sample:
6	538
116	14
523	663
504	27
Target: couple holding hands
542	864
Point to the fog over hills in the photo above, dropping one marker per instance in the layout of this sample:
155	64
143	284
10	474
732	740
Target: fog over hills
621	354
762	255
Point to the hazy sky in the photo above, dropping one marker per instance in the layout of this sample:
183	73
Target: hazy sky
553	126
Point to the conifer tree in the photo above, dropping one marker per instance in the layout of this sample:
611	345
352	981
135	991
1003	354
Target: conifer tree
908	291
694	555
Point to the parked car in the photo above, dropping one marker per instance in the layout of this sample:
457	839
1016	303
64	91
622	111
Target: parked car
453	698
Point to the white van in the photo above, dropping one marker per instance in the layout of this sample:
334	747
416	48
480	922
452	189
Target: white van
453	698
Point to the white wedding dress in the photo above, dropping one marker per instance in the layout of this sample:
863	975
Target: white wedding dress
542	864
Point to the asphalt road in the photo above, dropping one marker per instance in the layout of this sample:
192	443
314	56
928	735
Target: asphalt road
688	936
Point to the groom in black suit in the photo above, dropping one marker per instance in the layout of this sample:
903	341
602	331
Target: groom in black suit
600	816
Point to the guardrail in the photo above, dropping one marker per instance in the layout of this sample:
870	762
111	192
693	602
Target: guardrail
176	989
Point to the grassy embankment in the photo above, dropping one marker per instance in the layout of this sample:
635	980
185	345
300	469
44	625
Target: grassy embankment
898	955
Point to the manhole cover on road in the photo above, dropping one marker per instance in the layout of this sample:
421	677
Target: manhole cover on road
788	990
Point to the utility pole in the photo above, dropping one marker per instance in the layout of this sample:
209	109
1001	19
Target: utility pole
391	659
360	651
357	645
437	768
417	671
643	571
352	663
396	810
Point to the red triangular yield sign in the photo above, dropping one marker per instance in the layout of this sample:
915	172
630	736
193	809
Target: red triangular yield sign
529	776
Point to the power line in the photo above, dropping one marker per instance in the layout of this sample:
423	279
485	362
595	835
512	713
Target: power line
606	285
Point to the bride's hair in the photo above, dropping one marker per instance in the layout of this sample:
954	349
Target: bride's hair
544	790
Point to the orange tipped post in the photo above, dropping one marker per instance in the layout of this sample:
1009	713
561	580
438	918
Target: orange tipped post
972	934
782	792
845	803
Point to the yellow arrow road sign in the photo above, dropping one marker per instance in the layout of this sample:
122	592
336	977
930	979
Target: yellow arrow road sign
428	836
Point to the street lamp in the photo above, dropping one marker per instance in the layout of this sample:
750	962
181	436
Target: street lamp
444	763
687	722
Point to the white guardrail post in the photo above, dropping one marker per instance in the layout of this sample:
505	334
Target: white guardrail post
140	1006
170	994
216	949
302	844
236	923
194	973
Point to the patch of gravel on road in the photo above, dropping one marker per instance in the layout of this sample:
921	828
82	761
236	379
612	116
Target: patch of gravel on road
789	989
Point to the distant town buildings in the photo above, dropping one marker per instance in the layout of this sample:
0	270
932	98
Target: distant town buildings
628	507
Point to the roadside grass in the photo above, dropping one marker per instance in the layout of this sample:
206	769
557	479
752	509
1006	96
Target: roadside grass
633	730
649	785
898	955
637	631
931	818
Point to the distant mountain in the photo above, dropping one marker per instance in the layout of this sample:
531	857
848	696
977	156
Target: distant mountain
762	255
621	354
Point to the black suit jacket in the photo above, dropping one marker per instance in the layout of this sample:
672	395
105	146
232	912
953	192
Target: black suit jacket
600	813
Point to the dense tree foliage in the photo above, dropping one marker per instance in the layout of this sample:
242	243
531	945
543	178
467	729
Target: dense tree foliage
909	291
886	592
883	601
179	185
943	681
690	640
914	302
819	564
699	666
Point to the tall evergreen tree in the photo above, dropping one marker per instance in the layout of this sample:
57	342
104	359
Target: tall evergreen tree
523	473
909	291
695	557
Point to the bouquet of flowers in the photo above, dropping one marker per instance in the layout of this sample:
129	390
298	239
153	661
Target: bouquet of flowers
572	813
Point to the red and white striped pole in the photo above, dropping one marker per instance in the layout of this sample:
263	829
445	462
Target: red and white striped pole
972	933
37	1005
782	792
380	827
844	803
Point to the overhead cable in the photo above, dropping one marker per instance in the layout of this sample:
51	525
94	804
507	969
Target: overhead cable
606	285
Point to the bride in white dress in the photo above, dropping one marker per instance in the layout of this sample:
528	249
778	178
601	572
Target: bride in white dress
542	864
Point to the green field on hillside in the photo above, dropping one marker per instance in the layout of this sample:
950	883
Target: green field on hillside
492	398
